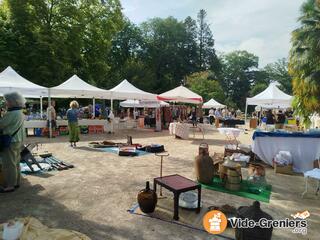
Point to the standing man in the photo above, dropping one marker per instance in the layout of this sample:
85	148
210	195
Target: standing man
211	115
51	110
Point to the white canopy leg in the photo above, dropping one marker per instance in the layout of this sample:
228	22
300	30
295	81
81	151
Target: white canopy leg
49	114
245	114
41	108
93	107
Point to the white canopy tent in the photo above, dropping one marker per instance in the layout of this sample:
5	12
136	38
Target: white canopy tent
10	81
271	96
143	104
181	94
125	90
75	87
213	104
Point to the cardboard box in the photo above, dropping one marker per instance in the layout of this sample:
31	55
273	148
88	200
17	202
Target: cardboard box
283	169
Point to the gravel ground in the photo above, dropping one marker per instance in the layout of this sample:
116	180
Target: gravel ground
93	197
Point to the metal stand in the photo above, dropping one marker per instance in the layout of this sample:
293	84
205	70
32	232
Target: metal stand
161	155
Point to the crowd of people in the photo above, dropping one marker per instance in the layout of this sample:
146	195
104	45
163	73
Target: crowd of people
225	113
271	117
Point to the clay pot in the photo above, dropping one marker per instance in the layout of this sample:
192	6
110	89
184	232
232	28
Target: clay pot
204	168
147	199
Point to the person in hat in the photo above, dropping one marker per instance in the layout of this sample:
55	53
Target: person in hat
12	124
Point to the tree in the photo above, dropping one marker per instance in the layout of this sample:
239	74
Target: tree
165	51
278	71
239	73
191	47
55	39
207	55
304	63
203	84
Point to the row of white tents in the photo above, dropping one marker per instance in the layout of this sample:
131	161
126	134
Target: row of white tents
74	87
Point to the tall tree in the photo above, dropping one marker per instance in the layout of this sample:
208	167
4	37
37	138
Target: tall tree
304	64
239	74
279	71
164	53
207	54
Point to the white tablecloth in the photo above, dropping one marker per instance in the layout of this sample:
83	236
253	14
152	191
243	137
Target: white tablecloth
179	129
234	132
303	150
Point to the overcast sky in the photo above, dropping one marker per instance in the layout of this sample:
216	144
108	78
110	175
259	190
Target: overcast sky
262	27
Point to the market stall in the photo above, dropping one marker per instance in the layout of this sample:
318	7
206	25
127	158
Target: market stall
75	87
272	96
304	147
181	94
212	104
144	118
11	81
126	91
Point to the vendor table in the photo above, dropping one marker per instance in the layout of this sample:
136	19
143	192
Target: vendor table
231	122
231	134
182	130
304	147
179	129
82	122
178	184
315	174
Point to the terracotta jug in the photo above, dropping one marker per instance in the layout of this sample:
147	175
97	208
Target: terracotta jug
147	199
204	166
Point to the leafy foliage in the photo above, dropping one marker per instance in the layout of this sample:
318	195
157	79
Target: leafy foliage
279	71
47	41
204	84
304	63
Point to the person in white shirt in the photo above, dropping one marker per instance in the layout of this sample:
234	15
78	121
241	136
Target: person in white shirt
217	113
211	116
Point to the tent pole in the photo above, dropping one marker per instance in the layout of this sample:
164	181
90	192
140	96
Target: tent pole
41	108
93	107
111	106
245	114
49	113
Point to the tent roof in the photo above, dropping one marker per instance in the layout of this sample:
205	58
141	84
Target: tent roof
142	104
77	88
271	95
213	104
180	94
11	81
125	90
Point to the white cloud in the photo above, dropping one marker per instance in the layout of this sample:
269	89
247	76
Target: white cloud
262	27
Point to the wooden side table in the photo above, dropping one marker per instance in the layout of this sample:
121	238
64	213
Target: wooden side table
178	184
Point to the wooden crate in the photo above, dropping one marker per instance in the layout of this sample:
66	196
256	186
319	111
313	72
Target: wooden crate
283	169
